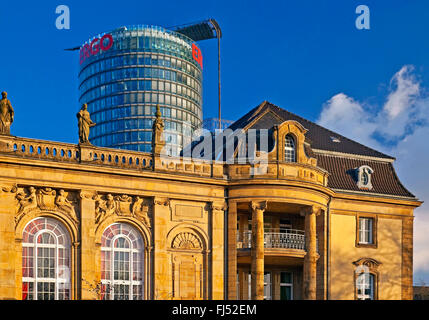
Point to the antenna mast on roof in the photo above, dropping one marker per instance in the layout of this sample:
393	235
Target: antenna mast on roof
198	31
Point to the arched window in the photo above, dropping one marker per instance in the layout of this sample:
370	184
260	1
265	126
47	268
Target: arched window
122	258
290	152
45	261
366	275
365	285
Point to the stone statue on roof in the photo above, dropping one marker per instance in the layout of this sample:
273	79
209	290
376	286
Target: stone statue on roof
157	132
84	124
6	114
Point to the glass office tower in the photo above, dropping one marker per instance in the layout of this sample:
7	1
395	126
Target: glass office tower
125	73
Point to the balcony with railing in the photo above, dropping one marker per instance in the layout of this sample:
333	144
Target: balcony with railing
287	239
283	242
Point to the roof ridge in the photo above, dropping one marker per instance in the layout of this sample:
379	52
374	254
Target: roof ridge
335	133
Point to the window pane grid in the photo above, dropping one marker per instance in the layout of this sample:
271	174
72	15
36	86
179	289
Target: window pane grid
365	286
290	153
45	261
365	230
121	259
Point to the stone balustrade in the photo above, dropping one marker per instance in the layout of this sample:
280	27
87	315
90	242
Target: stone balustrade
39	149
89	154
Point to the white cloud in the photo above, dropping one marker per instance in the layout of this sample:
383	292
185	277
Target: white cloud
401	121
348	117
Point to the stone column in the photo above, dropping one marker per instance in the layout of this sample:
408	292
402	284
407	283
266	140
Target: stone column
161	214
232	251
218	214
88	263
310	259
257	250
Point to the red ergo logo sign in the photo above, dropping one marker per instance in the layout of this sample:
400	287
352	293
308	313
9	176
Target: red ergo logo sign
92	49
197	55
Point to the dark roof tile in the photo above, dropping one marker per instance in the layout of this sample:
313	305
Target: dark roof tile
319	136
342	175
341	168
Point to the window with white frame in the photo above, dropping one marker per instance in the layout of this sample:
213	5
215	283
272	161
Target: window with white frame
267	286
366	230
122	257
45	260
286	286
365	285
290	151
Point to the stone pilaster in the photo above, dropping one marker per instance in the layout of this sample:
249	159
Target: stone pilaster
407	258
232	251
218	212
257	250
243	279
9	281
311	257
161	214
88	247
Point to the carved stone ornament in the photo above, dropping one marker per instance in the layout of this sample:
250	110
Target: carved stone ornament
310	210
372	264
221	206
45	199
161	201
186	240
258	205
12	189
122	205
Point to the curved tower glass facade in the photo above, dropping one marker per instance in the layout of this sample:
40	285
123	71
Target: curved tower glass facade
125	73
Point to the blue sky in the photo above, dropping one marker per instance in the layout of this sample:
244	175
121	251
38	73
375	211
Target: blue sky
305	56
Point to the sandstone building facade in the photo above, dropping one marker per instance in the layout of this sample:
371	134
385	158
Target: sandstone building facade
327	218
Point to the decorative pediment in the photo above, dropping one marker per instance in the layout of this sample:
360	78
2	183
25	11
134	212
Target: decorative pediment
372	264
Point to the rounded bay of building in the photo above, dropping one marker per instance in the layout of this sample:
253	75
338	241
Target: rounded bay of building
145	66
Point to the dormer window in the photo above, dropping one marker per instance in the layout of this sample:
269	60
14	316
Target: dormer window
364	177
290	151
335	139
